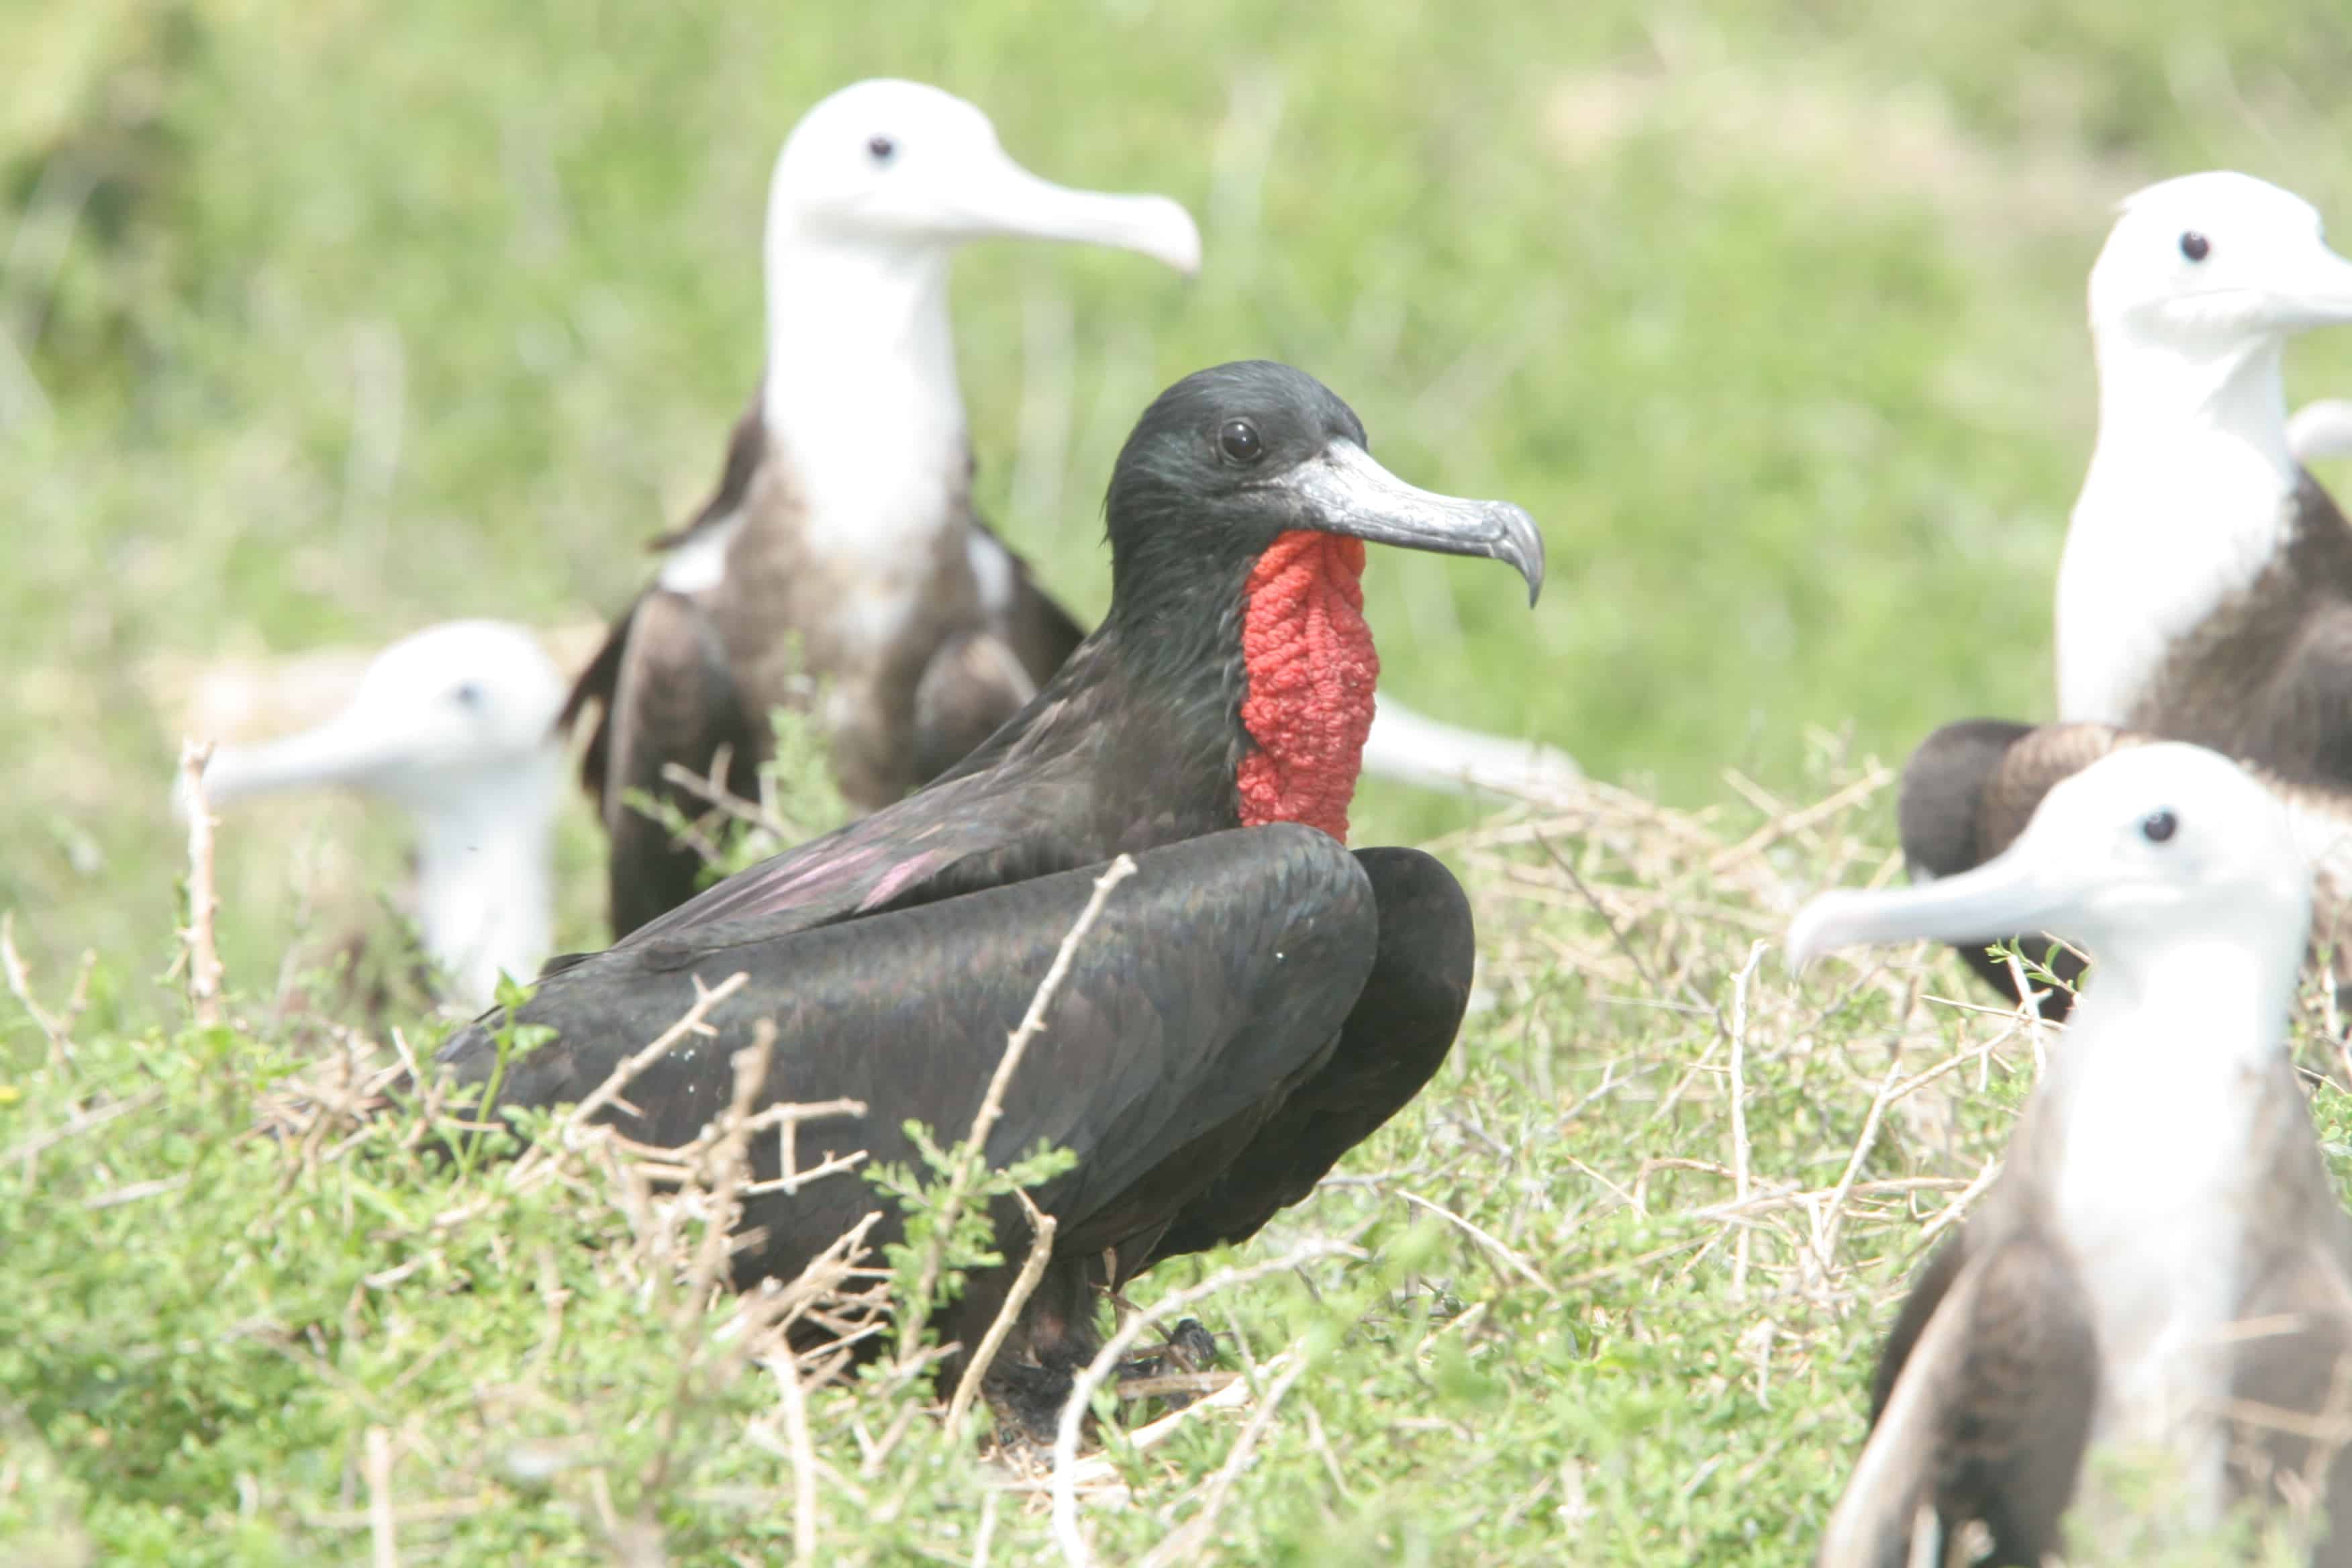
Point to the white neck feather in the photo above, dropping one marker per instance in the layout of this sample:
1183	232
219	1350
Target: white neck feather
862	401
2155	1090
2186	501
485	897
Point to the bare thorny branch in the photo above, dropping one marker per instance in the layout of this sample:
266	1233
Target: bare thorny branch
56	1028
204	903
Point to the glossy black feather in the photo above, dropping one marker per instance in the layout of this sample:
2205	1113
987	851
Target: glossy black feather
1254	1004
1234	1024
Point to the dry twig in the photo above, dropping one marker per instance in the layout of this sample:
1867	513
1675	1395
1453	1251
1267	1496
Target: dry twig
57	1028
803	1453
383	1541
1067	1536
1739	1152
1195	1533
1040	1250
691	1022
204	954
1487	1239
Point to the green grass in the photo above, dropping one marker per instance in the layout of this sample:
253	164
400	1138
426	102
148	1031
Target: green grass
1564	1335
375	315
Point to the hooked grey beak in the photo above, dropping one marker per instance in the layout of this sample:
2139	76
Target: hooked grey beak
1351	494
340	752
2006	897
1000	197
2313	290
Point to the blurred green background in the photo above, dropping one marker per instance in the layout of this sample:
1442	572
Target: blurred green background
331	319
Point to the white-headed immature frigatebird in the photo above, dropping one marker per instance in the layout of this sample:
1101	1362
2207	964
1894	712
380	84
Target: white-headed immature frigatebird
841	547
2205	593
453	723
841	544
1256	1002
2164	1265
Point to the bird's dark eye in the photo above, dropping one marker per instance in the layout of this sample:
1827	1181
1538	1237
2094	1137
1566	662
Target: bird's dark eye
468	694
1239	439
2195	246
2158	826
881	148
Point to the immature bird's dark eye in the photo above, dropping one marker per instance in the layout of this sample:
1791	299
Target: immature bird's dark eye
1239	439
2195	246
881	148
468	694
2158	826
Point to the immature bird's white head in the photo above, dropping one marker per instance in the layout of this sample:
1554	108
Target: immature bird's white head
2148	858
2209	266
456	724
897	166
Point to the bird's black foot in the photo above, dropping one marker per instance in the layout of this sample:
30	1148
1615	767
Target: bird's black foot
1188	1348
1172	1370
1028	1397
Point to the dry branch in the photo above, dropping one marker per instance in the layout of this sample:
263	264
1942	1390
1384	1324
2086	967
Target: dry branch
1100	1470
56	1027
1068	1536
383	1541
1485	1238
1739	1149
569	1126
803	1453
1195	1536
204	903
1040	1251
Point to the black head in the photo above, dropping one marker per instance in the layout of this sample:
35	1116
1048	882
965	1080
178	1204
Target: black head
1228	459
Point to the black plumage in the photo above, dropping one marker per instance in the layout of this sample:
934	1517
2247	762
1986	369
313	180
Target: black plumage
1254	1003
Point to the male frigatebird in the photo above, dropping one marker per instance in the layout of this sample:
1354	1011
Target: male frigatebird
1254	1002
2205	593
2163	1264
453	724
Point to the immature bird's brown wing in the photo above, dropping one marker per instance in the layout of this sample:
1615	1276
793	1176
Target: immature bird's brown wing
982	676
2292	1383
676	699
2267	678
1987	1415
1030	621
972	686
664	690
1968	790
